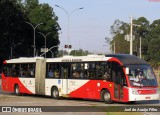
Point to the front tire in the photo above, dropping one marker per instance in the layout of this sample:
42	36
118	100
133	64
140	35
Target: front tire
106	97
55	93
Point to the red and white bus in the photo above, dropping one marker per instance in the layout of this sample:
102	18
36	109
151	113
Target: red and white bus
113	77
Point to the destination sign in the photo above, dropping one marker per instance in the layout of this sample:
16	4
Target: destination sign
71	60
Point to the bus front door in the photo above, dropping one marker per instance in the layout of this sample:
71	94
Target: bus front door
118	91
118	79
64	76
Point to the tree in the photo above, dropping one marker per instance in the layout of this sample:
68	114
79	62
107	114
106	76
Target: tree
153	40
79	52
43	13
11	19
18	36
115	28
29	5
119	29
141	31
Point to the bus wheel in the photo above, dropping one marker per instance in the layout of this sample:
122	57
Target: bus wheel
16	90
55	93
106	97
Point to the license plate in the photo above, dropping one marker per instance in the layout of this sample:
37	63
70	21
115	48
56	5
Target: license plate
147	97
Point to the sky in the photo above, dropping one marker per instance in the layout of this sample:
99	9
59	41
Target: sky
88	27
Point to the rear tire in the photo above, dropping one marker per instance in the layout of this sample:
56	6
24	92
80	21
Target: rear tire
106	97
16	90
55	93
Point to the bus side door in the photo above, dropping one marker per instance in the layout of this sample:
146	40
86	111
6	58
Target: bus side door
119	81
65	72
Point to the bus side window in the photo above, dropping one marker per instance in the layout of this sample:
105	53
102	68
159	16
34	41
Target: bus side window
86	73
113	75
100	70
92	70
15	70
7	68
56	70
27	70
64	72
50	73
103	71
77	70
52	70
23	70
31	70
114	72
56	73
49	70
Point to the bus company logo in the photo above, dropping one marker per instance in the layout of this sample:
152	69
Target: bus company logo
110	85
154	0
6	109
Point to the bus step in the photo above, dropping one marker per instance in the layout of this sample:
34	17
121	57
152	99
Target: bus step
65	95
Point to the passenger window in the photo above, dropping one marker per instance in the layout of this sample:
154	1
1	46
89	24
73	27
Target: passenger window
53	70
90	70
77	70
27	70
7	70
15	70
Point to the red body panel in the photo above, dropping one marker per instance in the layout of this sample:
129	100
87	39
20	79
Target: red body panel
8	84
146	91
91	91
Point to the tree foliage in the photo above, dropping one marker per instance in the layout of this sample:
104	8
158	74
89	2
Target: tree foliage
11	31
17	36
79	52
148	32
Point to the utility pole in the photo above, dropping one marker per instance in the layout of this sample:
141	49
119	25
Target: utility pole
140	49
131	39
114	47
131	35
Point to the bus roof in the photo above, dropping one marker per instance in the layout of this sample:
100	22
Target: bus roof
79	58
23	60
60	59
124	58
127	59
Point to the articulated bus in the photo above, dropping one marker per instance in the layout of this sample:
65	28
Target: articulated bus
108	78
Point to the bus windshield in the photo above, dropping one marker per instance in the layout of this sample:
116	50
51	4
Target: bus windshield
141	75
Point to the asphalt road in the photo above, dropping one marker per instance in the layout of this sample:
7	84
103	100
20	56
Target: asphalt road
9	99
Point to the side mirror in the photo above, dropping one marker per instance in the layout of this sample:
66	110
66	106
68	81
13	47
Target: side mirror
127	70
